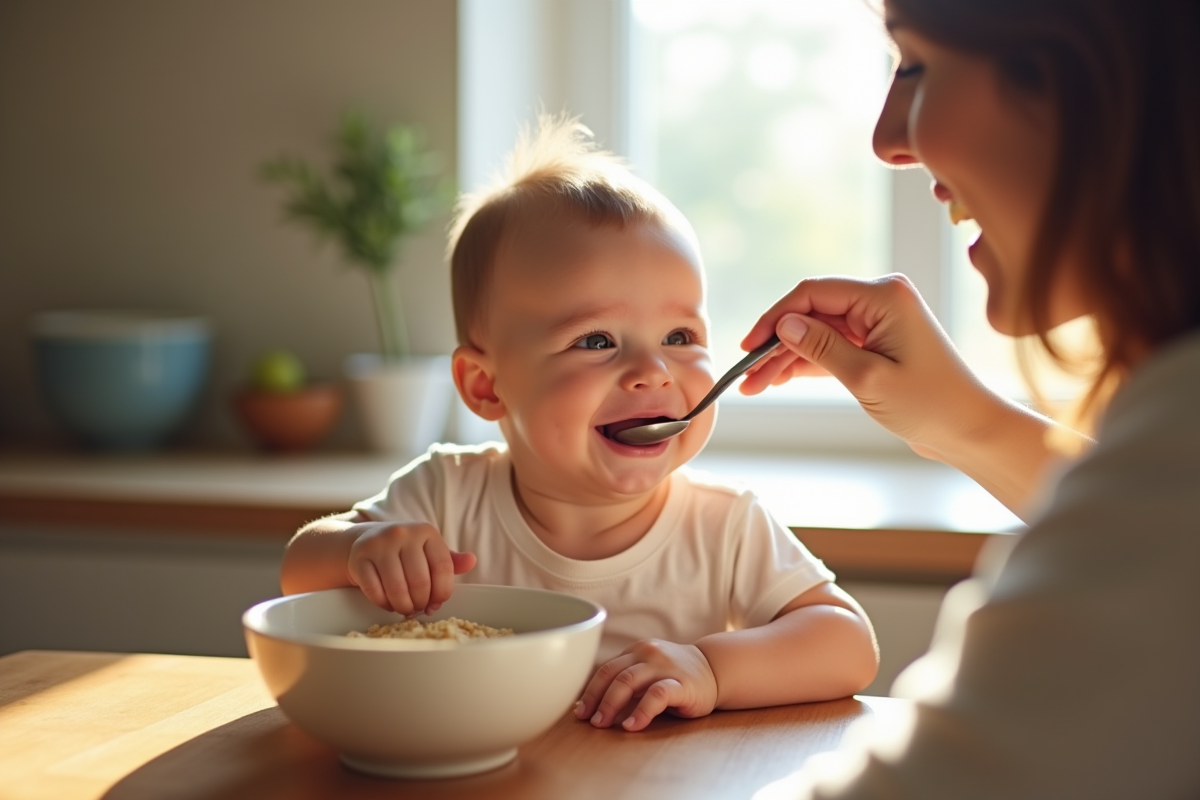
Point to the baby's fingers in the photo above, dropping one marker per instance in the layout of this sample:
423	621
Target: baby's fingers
364	575
391	575
598	685
628	684
418	577
658	698
441	574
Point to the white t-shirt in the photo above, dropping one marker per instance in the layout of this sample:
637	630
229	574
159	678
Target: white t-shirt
713	560
1069	667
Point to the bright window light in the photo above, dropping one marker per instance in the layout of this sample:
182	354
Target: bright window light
755	118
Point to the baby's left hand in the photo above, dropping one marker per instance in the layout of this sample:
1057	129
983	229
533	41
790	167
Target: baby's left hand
666	676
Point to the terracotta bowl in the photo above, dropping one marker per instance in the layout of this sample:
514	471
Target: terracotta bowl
289	421
407	708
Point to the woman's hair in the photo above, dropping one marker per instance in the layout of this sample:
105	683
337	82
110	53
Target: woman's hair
1124	76
555	175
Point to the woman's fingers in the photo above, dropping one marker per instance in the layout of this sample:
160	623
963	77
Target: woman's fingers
824	346
823	298
769	371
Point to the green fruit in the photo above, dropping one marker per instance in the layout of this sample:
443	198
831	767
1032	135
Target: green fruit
278	371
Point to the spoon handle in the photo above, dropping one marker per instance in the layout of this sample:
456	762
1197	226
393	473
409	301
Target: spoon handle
735	372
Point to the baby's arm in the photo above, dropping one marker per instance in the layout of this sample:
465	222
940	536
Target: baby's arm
402	567
820	646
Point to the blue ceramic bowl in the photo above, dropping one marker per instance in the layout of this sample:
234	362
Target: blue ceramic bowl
120	380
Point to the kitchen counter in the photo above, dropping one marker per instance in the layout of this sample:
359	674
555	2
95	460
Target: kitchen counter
901	519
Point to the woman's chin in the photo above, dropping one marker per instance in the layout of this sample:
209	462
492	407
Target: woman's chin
1001	323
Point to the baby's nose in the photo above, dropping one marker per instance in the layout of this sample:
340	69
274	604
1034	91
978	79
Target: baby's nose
648	372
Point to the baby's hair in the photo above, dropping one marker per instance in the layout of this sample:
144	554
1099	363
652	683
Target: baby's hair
554	174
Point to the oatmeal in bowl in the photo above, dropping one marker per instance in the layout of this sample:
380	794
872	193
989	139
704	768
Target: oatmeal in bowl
458	630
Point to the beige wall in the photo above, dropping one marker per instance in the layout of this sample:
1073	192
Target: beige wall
130	131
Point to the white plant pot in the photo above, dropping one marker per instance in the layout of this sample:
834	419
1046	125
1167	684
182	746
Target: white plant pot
403	404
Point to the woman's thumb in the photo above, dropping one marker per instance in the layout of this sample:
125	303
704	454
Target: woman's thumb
821	344
463	562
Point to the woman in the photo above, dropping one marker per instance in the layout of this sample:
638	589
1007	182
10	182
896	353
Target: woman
1070	129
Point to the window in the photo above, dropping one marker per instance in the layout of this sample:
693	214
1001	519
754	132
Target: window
755	118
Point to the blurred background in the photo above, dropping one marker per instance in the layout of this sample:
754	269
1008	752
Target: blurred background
131	133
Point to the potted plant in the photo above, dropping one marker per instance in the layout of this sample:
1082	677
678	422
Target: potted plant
385	187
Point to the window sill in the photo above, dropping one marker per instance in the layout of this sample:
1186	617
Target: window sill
879	518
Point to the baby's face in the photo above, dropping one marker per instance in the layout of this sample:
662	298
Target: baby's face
587	327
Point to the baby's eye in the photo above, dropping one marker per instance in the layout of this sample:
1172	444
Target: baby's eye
678	337
595	341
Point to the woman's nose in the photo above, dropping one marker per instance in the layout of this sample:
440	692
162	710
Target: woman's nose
890	140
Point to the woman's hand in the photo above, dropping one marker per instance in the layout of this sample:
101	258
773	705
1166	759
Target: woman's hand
406	568
666	676
882	342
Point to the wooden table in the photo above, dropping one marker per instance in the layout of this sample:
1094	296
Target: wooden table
119	727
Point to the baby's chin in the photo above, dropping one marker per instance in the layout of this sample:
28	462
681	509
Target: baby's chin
629	486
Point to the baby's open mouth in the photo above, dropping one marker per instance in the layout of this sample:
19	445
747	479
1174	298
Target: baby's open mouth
611	430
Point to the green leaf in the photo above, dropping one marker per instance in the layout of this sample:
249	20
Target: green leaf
384	187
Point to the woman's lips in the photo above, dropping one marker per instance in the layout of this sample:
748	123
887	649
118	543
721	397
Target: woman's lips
958	209
959	212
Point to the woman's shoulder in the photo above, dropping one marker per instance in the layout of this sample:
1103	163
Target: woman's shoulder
1161	394
1134	498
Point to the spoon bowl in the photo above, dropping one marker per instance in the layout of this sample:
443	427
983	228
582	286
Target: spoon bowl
659	430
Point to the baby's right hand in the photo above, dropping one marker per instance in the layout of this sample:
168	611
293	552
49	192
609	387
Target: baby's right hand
406	568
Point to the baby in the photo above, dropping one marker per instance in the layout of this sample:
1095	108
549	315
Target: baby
579	301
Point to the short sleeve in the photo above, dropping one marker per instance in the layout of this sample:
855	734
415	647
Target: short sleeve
412	493
769	565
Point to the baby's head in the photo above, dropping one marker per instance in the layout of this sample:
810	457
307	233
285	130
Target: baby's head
579	302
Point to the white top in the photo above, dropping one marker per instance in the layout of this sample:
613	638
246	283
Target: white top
713	560
1070	666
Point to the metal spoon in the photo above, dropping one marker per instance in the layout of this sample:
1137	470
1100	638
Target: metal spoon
657	430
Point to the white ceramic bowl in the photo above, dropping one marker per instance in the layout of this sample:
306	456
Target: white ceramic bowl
425	708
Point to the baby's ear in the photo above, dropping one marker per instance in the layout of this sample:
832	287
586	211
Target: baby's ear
473	377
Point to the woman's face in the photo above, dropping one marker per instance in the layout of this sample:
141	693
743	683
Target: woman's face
990	149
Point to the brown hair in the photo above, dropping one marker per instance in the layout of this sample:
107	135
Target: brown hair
555	174
1125	78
